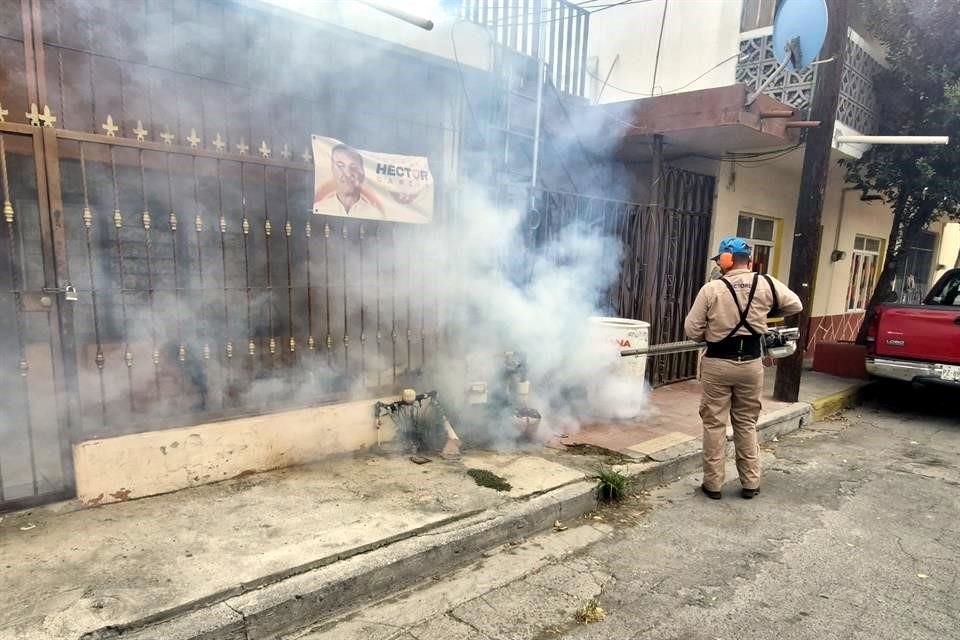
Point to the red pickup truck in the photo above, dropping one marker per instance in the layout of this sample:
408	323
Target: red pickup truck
918	343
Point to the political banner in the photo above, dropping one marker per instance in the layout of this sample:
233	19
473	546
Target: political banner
370	185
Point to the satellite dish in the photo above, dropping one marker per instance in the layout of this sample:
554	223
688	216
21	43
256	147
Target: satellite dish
799	30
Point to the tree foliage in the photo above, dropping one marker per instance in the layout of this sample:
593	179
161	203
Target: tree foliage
918	93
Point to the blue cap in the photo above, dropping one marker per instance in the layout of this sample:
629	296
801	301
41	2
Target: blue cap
734	245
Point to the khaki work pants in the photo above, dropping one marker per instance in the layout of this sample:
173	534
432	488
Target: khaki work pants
730	387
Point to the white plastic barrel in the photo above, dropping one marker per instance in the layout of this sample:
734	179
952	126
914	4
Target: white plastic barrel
620	393
617	334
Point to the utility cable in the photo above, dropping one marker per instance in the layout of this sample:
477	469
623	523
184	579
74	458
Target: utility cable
677	90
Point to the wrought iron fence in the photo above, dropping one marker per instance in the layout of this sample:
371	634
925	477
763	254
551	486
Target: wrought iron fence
664	255
207	288
554	30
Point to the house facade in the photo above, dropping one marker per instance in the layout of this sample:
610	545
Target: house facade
678	46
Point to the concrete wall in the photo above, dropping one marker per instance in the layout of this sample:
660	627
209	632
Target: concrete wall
697	35
143	464
463	42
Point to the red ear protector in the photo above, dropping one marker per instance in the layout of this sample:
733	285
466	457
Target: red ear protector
725	262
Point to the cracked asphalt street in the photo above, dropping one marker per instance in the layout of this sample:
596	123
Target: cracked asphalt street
855	534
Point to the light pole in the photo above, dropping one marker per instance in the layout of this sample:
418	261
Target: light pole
417	21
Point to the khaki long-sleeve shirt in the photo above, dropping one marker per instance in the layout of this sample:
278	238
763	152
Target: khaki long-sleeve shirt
714	313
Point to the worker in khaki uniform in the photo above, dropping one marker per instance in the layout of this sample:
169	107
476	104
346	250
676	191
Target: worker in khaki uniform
730	315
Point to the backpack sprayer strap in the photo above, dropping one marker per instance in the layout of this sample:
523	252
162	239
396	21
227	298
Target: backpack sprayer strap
734	347
775	309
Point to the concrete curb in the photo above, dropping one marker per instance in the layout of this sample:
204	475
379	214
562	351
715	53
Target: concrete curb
318	593
770	425
784	420
836	402
318	590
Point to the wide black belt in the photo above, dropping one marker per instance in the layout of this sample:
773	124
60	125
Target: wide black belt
740	348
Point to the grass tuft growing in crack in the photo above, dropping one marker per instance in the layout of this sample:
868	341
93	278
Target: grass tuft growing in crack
612	486
590	612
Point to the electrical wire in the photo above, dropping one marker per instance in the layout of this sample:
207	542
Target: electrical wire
754	159
743	159
677	90
656	60
521	13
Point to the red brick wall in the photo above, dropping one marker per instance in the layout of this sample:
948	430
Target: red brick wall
838	328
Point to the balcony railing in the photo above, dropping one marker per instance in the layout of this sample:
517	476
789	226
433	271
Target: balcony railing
522	25
857	108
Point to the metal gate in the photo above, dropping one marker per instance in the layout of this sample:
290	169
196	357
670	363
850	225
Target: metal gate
664	255
35	456
683	236
147	286
208	289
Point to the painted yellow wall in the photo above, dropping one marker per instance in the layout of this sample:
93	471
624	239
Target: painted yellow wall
949	246
772	191
143	464
764	191
860	218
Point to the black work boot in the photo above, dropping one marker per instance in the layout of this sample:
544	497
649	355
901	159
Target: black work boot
748	494
713	495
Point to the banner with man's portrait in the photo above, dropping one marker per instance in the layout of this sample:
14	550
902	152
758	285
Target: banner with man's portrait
369	185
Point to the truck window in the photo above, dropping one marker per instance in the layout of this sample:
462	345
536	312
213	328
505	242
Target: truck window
946	292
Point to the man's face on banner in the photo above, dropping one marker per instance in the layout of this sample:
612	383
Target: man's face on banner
347	171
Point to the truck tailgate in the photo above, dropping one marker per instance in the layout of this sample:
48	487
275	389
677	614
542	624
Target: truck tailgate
928	333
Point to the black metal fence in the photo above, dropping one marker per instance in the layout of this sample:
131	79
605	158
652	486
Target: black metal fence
664	255
207	288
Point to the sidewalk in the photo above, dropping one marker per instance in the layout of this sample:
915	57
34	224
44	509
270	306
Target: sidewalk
675	418
251	556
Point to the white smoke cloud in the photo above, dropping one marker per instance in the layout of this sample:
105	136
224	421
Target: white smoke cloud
502	295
